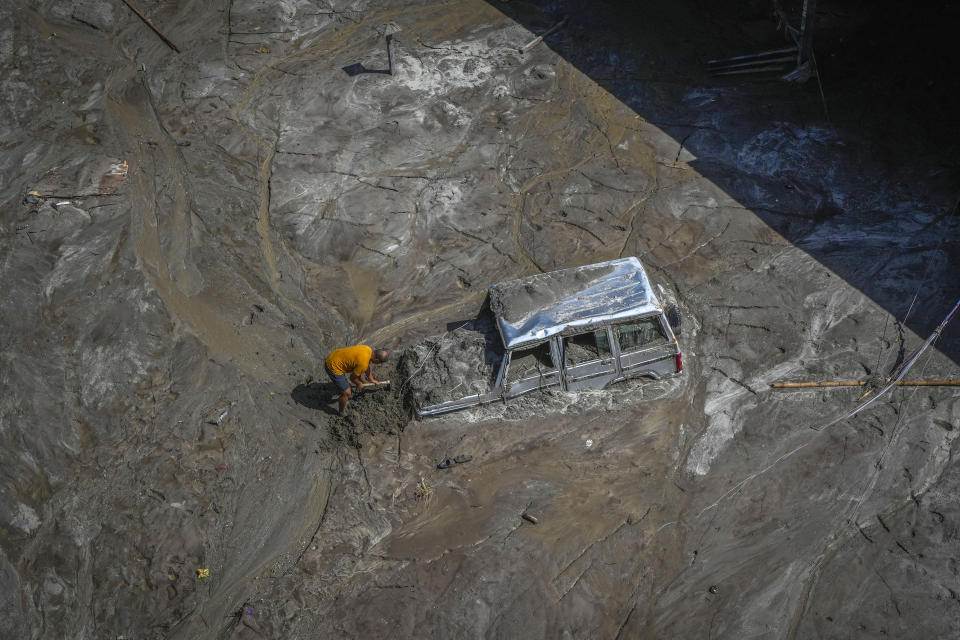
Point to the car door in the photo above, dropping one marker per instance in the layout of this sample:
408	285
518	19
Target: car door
588	360
646	347
531	368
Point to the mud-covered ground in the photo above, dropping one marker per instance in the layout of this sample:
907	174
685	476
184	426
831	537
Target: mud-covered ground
183	237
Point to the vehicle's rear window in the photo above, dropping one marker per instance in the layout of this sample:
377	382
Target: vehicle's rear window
585	347
529	363
641	333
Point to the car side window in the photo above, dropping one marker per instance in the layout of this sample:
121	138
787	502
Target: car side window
585	347
528	363
640	334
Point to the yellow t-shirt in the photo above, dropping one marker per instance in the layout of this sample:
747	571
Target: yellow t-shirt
354	359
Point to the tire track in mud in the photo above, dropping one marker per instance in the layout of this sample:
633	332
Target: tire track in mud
161	234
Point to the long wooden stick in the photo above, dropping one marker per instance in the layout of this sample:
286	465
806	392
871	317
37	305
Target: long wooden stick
151	25
540	38
860	383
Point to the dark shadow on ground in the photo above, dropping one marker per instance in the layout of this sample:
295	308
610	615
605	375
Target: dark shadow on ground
887	70
357	68
317	395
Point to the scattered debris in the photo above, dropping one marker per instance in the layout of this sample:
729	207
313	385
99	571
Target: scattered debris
113	177
423	490
777	60
459	459
203	573
529	518
216	421
943	424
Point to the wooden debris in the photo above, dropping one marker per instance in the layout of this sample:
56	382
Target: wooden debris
540	38
860	383
150	24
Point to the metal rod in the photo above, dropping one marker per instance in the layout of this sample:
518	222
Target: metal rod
389	55
765	69
808	14
778	62
754	56
151	25
751	63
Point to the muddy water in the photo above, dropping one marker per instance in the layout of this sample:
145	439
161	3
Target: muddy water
163	407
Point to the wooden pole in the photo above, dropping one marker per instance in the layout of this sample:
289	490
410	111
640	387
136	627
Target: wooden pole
860	383
147	21
540	38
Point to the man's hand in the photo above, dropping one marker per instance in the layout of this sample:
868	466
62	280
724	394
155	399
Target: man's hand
355	379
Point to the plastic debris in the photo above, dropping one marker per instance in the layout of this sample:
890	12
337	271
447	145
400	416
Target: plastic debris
713	588
459	459
529	518
203	573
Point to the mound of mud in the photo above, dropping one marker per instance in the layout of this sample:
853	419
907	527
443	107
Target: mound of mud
450	366
372	412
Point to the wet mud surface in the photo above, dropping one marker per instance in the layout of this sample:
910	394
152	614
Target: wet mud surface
183	238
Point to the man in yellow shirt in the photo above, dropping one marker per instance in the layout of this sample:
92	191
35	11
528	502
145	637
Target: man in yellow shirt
348	364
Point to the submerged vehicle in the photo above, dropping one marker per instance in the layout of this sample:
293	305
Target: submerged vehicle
579	328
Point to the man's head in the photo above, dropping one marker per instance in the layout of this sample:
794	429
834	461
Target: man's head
380	356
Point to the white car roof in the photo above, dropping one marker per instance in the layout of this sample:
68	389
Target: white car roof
534	308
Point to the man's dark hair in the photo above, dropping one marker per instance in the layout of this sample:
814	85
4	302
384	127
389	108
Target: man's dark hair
382	355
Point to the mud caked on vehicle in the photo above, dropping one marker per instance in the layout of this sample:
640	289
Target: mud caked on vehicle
579	328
